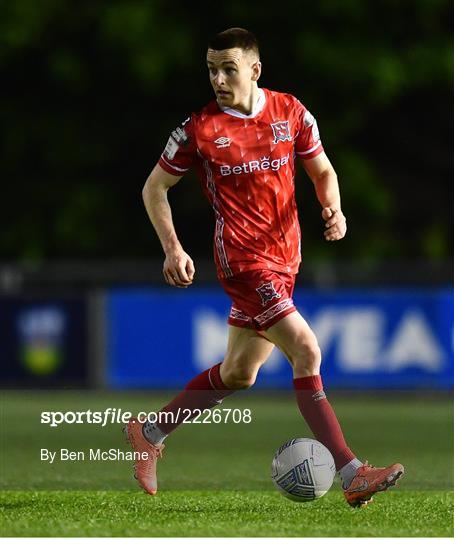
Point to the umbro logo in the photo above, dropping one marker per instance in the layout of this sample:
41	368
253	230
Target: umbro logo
222	142
319	395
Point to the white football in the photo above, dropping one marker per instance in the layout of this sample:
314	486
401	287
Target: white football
303	470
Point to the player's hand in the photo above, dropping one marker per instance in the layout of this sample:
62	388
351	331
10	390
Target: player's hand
335	224
178	269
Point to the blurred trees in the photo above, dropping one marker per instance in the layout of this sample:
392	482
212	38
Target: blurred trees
91	90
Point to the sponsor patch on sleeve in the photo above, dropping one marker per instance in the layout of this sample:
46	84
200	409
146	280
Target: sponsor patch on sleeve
171	148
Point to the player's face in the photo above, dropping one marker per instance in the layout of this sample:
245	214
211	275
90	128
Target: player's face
233	74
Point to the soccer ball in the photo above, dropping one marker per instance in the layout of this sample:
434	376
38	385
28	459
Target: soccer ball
303	470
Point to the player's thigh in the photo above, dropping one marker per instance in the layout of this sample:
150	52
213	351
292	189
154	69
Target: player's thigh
246	350
294	337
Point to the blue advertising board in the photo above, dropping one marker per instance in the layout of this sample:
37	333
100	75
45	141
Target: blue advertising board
160	338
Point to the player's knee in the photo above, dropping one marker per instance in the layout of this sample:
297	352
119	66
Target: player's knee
242	384
312	358
306	357
238	378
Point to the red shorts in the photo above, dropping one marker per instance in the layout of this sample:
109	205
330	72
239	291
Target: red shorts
260	298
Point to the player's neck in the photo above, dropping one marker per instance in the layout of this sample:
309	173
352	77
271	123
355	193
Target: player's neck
249	103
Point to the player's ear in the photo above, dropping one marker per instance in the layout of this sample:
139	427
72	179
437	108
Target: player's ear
256	70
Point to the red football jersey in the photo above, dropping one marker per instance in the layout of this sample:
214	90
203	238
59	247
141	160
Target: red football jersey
246	164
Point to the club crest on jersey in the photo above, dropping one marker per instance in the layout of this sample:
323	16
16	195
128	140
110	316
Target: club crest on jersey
267	292
222	142
281	131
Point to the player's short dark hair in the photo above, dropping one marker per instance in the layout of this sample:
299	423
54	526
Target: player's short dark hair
234	37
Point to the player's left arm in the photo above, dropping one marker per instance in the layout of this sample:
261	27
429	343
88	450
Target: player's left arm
324	178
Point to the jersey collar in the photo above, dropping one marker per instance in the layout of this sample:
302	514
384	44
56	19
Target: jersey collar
255	111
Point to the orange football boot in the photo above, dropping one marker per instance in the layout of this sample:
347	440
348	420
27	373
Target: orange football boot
368	480
145	469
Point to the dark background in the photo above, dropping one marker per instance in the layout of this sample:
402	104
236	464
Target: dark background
91	90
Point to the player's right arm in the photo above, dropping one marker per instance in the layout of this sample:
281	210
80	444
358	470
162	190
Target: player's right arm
178	267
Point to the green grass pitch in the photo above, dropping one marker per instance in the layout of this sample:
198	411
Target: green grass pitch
214	479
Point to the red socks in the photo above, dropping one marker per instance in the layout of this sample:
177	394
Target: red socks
207	390
321	418
204	392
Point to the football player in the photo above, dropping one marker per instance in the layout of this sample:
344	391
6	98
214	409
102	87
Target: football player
244	146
